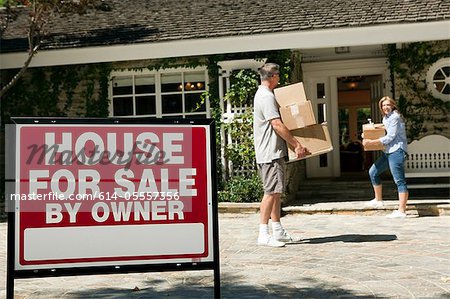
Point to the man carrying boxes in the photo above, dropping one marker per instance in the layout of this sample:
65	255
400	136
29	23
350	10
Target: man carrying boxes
270	138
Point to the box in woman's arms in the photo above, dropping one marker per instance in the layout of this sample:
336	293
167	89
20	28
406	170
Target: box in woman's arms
373	131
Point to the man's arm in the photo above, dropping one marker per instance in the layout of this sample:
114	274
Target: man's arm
284	133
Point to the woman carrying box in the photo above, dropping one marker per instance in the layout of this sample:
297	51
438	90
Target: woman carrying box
393	157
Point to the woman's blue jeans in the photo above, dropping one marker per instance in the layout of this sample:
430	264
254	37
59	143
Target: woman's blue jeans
395	162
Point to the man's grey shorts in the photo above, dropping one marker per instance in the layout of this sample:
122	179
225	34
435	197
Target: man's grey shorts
272	176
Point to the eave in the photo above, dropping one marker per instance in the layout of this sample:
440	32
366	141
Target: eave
324	38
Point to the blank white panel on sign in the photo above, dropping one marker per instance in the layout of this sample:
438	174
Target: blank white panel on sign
55	243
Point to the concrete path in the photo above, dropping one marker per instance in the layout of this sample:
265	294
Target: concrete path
415	207
339	256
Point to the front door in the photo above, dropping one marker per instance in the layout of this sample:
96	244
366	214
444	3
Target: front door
321	84
318	92
357	104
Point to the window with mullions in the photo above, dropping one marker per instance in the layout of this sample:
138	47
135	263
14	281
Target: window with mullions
160	94
438	79
134	95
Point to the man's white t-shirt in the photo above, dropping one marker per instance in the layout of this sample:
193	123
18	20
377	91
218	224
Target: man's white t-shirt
269	145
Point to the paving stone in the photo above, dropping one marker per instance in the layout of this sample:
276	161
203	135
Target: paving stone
339	256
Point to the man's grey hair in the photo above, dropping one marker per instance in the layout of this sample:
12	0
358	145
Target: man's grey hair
268	70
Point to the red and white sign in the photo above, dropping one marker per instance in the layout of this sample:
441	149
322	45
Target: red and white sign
99	195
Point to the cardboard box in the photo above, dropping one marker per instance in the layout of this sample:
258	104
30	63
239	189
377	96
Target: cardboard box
295	110
373	131
298	115
315	138
293	93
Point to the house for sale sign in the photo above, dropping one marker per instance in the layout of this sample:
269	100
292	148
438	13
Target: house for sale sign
100	194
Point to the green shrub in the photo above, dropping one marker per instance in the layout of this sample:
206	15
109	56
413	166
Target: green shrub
242	189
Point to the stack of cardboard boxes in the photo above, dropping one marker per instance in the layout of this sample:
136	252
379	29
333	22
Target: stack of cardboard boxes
373	131
298	116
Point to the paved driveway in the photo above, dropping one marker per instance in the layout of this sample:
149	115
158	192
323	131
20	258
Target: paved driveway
339	256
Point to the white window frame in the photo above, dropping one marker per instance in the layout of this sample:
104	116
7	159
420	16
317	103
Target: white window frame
444	62
158	93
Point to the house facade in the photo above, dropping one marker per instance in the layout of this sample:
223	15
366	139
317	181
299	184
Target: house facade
160	58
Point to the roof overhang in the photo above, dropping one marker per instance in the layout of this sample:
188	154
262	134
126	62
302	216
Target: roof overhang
323	38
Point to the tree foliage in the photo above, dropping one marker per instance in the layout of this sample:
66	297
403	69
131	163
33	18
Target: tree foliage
39	12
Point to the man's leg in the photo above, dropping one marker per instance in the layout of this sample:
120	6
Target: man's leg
272	181
278	232
266	209
275	214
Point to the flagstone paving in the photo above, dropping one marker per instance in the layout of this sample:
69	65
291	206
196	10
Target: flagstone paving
338	256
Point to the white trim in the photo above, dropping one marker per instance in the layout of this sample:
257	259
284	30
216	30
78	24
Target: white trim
228	66
341	67
321	38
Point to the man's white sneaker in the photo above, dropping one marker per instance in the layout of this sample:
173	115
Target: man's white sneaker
270	241
396	214
283	236
374	203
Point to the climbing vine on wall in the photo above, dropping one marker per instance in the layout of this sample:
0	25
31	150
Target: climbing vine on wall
53	92
97	105
82	90
424	114
244	84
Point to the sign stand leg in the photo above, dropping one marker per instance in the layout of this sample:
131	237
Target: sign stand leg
216	283
215	216
10	257
9	286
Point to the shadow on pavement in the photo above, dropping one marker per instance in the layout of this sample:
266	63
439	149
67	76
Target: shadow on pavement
233	286
351	238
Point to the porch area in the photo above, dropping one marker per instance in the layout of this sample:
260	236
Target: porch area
348	194
355	187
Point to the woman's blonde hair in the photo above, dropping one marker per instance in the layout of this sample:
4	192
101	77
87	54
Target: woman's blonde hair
386	98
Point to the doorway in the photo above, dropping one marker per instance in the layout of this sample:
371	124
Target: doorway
326	74
355	107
